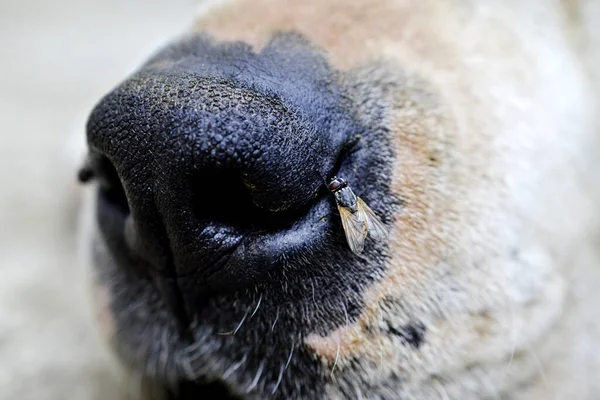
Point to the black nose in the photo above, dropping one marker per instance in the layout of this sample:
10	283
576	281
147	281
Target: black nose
215	155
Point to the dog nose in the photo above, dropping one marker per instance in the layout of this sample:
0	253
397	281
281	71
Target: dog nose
194	130
218	154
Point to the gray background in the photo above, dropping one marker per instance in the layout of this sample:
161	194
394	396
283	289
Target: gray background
56	59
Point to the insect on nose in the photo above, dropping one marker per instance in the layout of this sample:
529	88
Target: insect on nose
217	168
226	162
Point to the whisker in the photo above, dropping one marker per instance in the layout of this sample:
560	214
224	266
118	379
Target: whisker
337	356
237	328
276	319
257	305
234	367
279	378
256	378
291	353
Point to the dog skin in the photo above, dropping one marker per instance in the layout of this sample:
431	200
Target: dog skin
219	257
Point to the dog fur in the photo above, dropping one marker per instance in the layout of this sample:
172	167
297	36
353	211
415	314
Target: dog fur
488	284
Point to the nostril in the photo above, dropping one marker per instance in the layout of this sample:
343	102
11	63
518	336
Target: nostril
221	196
111	187
223	156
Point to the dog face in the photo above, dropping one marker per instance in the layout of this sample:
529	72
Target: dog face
231	225
221	251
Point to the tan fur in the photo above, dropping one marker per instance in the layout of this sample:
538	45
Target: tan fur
496	143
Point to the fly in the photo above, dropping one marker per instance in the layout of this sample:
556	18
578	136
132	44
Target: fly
358	219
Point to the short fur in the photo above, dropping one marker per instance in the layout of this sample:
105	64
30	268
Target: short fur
470	130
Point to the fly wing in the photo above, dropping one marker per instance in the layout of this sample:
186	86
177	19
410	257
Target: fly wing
375	226
355	229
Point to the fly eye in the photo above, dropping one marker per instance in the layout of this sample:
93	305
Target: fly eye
335	185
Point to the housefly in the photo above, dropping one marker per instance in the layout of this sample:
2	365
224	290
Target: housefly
358	219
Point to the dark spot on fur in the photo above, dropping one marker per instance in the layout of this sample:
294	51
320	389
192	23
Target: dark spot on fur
411	334
434	159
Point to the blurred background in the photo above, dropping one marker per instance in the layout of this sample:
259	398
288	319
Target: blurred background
56	60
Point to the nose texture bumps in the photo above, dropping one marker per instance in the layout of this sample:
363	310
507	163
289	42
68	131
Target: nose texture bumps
214	142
